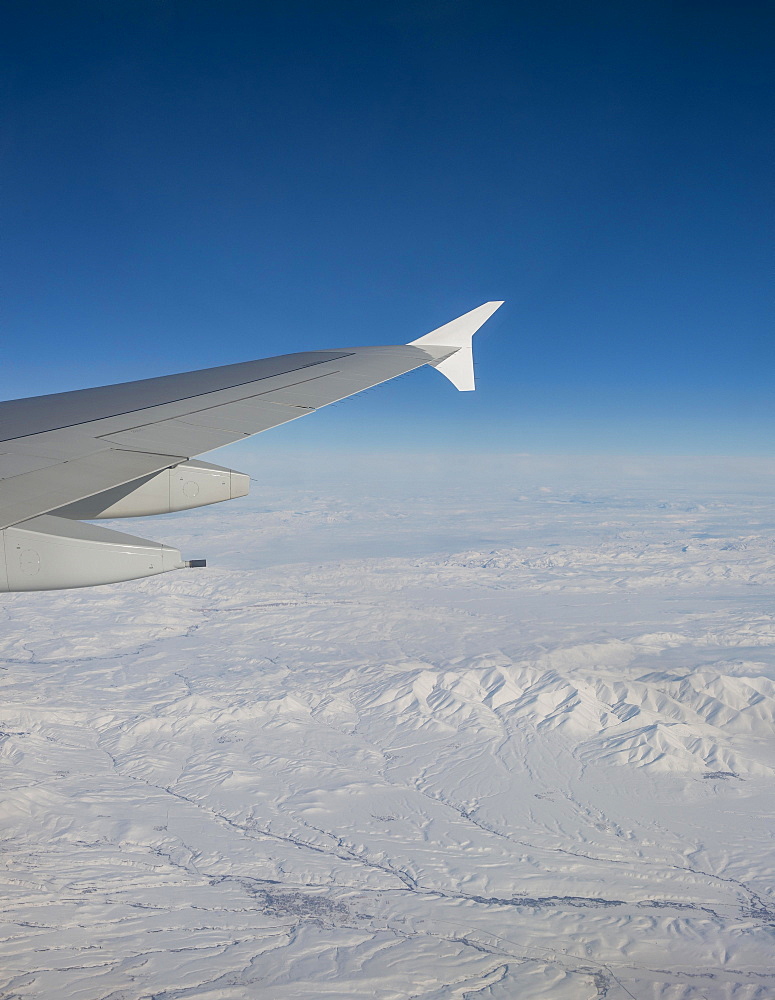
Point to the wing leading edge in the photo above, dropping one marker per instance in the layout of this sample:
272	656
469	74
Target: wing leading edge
59	450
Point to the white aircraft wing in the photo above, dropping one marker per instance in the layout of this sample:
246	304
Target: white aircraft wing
124	450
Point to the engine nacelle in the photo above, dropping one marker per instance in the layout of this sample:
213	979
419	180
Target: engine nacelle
190	484
55	553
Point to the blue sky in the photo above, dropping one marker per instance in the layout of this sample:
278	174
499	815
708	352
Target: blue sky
189	184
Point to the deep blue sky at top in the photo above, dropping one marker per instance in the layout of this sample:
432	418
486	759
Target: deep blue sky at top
193	183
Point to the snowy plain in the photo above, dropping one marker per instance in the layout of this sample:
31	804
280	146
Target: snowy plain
423	728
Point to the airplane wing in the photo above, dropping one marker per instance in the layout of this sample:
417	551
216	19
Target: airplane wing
126	450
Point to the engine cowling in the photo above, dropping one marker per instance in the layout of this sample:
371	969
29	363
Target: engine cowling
55	553
190	484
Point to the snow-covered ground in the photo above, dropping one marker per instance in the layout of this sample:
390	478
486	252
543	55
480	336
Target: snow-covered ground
504	734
